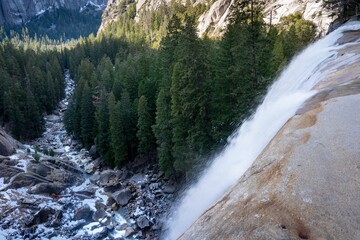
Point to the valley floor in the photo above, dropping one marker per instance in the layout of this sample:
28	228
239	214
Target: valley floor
53	189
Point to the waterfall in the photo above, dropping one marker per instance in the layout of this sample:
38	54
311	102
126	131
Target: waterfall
292	88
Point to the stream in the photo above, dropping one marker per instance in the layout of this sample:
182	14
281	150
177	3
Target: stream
52	188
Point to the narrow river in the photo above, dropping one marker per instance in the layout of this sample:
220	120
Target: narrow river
48	193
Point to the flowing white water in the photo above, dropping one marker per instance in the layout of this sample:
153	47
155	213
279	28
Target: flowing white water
283	99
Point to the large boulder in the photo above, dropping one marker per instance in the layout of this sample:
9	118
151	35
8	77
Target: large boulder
122	197
93	152
142	222
83	212
42	216
26	180
47	188
7	172
305	184
7	144
49	176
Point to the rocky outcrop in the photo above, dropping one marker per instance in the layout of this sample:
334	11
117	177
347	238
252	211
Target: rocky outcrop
8	145
305	184
20	11
110	14
45	177
214	21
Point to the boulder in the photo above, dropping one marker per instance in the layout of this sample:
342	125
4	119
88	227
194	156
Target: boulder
129	231
169	189
90	168
113	187
39	169
139	179
95	178
26	180
7	172
102	232
109	178
3	158
53	118
42	216
47	188
93	152
142	222
56	221
122	197
83	212
8	145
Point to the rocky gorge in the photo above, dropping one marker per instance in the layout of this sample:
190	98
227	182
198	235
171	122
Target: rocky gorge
52	188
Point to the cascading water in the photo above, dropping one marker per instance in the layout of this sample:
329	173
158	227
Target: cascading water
286	95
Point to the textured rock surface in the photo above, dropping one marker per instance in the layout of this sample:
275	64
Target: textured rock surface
7	144
19	11
305	184
214	21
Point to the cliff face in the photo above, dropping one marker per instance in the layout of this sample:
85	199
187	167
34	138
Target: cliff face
305	184
15	12
214	21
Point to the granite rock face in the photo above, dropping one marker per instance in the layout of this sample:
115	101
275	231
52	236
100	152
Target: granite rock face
8	145
305	184
214	21
15	12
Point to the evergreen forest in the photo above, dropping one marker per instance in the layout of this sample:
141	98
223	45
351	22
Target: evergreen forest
151	89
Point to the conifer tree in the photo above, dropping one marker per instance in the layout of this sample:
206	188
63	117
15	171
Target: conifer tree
163	126
103	139
189	96
144	133
118	141
128	113
50	92
33	119
278	59
87	117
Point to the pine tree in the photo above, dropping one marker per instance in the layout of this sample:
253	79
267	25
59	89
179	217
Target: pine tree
33	119
128	110
118	141
87	117
50	92
163	126
144	133
103	132
278	59
189	96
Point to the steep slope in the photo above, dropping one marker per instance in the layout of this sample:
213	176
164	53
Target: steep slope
214	20
305	184
20	11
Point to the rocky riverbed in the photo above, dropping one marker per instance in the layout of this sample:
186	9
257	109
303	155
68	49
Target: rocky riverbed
52	188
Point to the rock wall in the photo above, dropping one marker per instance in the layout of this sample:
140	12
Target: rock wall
8	145
305	184
20	11
214	21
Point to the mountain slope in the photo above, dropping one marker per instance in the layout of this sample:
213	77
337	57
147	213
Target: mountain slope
214	19
14	12
56	19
